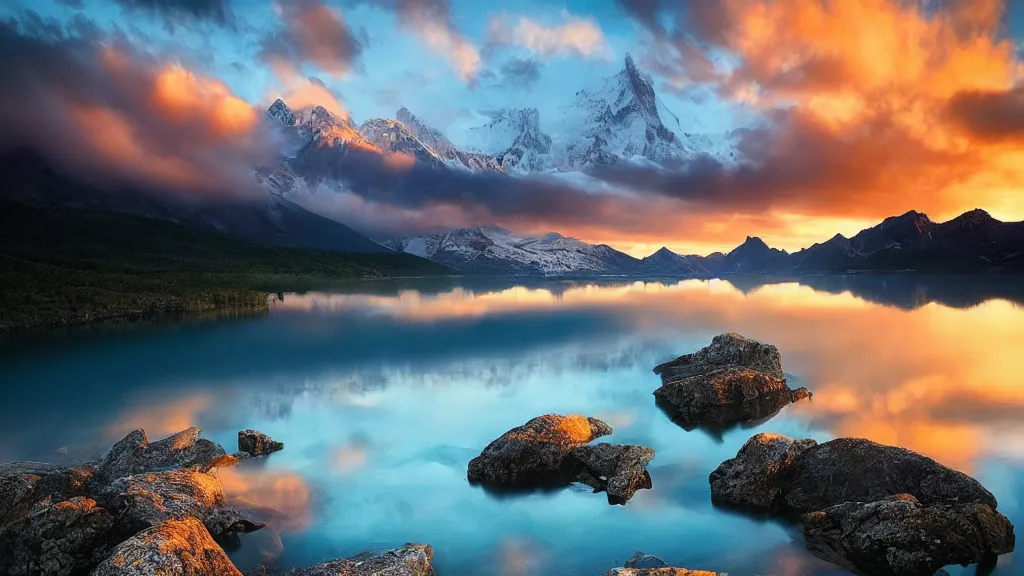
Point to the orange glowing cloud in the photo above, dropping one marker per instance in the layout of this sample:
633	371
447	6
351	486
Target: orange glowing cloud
285	493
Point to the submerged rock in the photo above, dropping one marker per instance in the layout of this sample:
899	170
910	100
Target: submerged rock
255	443
145	500
725	350
135	454
409	560
173	548
641	560
900	536
777	473
732	380
56	539
619	470
536	453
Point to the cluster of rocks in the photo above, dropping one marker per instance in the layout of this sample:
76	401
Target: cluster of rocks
554	450
733	380
146	508
871	508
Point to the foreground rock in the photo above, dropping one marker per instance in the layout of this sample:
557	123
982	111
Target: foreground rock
409	560
256	443
135	454
899	536
536	453
776	473
872	508
552	451
662	571
614	468
56	539
732	380
641	560
173	548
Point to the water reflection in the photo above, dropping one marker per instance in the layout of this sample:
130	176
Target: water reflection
382	396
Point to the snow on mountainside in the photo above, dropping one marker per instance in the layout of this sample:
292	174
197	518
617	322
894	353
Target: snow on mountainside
497	251
444	148
515	138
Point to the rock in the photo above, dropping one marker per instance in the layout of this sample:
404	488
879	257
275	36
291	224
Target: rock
756	477
725	350
24	484
619	470
173	548
256	443
409	560
537	453
134	454
732	380
664	571
725	396
641	560
900	536
60	539
777	473
145	500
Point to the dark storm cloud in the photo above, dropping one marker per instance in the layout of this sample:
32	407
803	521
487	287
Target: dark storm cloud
179	11
991	115
521	73
313	32
109	113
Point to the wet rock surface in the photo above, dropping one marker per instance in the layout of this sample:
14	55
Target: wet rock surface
56	539
733	380
255	443
871	508
641	560
409	560
900	536
662	571
173	548
552	451
620	470
135	454
536	453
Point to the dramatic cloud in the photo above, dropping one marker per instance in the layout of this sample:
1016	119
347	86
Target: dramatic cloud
314	33
122	117
579	36
180	11
522	73
870	108
431	20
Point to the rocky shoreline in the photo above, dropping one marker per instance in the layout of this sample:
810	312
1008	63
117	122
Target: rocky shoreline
159	508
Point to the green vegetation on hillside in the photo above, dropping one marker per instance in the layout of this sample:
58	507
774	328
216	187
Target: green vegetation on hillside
63	267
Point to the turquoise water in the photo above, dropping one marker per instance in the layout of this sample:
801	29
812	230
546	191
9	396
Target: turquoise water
384	393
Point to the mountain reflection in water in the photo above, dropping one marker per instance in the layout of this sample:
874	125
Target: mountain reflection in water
383	393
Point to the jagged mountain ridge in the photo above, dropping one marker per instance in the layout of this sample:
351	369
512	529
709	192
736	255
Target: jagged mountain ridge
494	250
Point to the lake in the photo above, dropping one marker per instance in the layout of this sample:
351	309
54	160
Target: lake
383	392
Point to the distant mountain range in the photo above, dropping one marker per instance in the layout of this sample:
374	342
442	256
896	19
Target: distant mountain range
974	241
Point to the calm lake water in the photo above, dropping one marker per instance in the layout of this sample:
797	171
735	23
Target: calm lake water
383	394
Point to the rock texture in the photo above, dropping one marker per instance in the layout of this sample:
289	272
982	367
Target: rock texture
409	560
900	536
732	380
173	548
614	468
757	476
662	571
537	452
56	539
256	443
551	451
641	560
135	454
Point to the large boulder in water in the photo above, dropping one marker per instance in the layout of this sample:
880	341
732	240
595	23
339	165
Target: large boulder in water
777	473
537	453
255	443
619	470
732	380
173	548
662	571
58	539
135	454
725	350
409	560
145	500
641	560
900	536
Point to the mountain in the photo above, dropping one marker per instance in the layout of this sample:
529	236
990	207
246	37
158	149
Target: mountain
271	219
514	138
837	252
393	137
444	148
494	250
754	257
668	263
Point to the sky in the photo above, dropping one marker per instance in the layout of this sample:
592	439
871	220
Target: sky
848	110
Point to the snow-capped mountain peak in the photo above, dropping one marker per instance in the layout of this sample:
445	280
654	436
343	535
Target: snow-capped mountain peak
443	148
